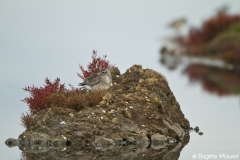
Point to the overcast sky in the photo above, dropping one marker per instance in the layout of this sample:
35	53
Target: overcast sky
50	38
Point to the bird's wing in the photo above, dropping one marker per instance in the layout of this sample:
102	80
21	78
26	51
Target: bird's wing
92	80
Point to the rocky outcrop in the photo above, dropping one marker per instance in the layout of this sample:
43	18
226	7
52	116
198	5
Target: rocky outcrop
138	118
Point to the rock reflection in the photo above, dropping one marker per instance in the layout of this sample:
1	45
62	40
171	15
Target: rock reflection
196	129
159	147
170	58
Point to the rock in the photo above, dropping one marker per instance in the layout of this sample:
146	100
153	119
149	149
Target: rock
107	96
130	140
158	141
105	118
102	102
71	115
196	129
144	141
200	133
128	114
138	111
119	110
104	141
79	114
115	120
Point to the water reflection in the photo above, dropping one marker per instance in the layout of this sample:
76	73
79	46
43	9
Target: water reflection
211	53
168	150
220	81
196	129
214	76
144	149
170	58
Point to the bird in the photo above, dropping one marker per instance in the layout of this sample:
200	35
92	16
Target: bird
98	81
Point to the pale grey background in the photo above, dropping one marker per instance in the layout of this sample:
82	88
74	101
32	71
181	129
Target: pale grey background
40	39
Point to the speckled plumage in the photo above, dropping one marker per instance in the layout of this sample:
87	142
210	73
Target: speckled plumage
101	80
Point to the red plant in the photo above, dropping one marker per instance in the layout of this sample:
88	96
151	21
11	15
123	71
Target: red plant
95	66
39	96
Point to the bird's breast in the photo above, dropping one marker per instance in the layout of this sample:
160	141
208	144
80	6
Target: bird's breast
107	79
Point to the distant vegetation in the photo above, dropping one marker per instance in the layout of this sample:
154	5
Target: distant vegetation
218	37
55	94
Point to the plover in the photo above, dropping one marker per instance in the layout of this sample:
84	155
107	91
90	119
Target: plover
99	81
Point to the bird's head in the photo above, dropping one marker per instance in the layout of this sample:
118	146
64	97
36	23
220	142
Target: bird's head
105	72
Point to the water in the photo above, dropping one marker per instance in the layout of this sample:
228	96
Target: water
217	117
43	39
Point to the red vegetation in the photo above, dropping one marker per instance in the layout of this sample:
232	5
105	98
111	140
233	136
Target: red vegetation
215	80
39	96
54	94
95	66
211	28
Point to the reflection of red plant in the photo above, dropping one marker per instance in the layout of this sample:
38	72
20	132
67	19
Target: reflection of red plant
231	56
39	96
210	28
95	66
218	37
215	80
